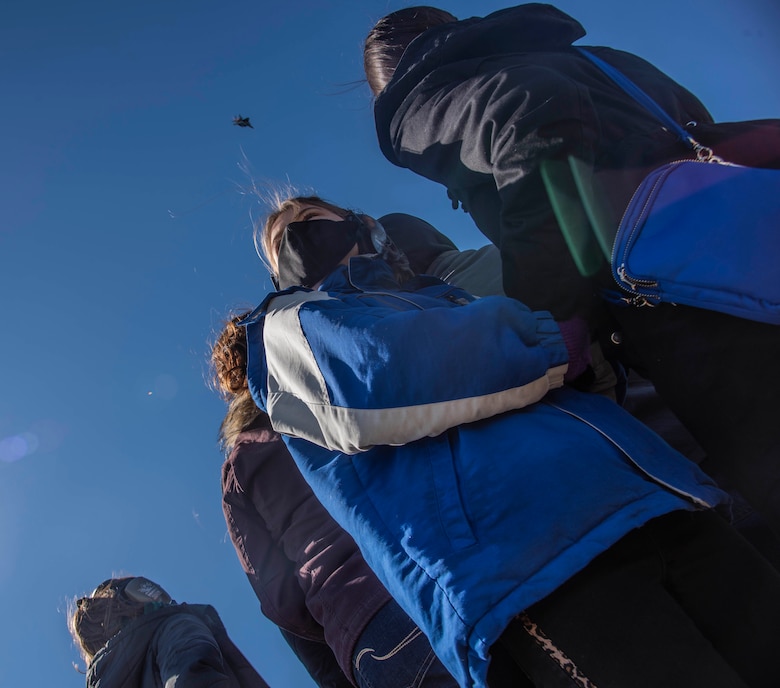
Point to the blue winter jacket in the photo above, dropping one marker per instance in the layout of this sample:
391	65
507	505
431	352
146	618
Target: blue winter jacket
397	404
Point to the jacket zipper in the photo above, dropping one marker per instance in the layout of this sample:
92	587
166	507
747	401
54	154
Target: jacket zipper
696	500
634	297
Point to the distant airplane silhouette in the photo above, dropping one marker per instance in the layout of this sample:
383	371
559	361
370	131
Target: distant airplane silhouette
242	122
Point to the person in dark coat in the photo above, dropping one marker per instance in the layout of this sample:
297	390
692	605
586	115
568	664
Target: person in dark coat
307	572
133	635
493	108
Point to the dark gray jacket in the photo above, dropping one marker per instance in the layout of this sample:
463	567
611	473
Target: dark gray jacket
479	105
179	646
306	571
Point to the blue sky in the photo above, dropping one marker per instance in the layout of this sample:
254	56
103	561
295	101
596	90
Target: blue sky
125	236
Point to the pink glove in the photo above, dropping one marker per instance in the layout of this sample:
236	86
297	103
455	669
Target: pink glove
576	336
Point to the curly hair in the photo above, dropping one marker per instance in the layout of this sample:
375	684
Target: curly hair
228	362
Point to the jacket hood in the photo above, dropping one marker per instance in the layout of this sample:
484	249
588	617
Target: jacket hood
524	28
534	26
363	273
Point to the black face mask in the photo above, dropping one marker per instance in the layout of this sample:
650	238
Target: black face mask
311	250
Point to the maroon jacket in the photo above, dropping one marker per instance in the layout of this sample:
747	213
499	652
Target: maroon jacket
306	571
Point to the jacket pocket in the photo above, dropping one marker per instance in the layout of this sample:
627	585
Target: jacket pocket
415	491
445	486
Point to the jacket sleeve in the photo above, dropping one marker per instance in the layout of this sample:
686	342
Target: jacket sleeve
538	266
319	661
477	271
273	575
348	376
485	137
188	655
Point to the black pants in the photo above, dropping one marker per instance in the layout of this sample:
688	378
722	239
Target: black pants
721	377
682	602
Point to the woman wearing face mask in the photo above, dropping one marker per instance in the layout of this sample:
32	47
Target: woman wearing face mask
306	571
133	635
498	508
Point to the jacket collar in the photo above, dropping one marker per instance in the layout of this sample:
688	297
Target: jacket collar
366	273
363	273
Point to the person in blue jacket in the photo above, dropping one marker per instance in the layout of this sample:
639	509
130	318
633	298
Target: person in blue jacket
307	573
497	506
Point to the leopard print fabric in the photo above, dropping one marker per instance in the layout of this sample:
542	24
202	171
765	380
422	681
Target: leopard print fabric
555	653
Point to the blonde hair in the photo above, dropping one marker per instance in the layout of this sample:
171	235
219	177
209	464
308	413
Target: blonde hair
94	619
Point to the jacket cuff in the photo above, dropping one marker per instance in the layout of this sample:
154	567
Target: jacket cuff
554	343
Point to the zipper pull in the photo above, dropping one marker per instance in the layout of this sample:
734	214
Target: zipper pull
621	271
